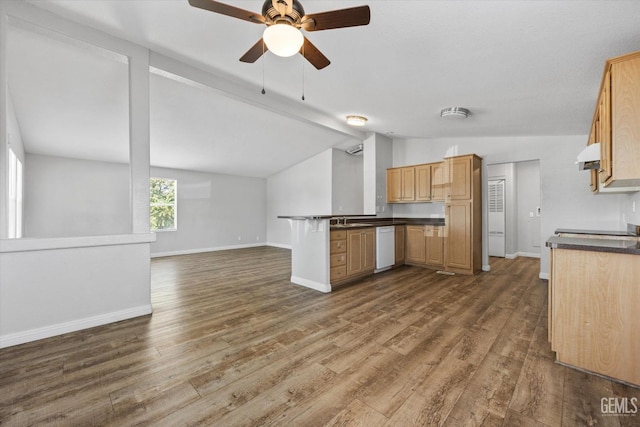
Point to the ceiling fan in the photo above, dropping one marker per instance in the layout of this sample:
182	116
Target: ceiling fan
284	20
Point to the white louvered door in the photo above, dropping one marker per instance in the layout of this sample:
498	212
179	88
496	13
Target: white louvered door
496	218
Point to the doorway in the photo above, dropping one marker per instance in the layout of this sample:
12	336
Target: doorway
497	219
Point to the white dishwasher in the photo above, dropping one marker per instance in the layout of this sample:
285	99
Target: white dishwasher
385	247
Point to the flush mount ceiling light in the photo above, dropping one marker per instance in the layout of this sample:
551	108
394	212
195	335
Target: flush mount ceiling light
356	120
283	39
454	113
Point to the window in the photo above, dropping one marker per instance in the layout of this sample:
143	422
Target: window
15	196
162	211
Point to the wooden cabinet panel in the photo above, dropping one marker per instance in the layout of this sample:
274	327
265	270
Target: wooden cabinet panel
399	240
593	314
604	129
394	185
408	184
438	181
423	183
401	185
459	178
458	245
361	251
369	250
625	122
435	246
415	244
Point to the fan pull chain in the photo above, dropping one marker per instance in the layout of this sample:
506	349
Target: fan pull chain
303	61
263	91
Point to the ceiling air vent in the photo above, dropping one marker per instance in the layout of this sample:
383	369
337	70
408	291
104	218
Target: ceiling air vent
355	150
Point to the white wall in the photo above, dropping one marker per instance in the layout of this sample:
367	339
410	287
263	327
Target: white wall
528	200
628	214
346	184
214	212
70	197
565	198
303	189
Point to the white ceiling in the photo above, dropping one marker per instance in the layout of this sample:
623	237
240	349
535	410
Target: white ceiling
521	67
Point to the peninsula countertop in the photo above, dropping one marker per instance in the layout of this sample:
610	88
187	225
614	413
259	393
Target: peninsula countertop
631	247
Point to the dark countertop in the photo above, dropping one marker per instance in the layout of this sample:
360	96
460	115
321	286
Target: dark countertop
631	247
364	222
593	232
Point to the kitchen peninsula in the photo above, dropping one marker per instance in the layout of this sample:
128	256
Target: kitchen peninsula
312	253
593	301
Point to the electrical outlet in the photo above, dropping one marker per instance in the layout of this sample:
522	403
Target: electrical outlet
633	207
239	238
258	238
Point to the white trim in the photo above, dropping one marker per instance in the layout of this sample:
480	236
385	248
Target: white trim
201	250
317	286
72	326
529	254
41	244
543	276
524	254
486	267
279	245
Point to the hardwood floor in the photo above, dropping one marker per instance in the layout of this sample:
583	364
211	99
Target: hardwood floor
233	342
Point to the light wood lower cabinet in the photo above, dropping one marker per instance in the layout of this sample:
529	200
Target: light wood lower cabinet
352	254
399	240
593	312
424	245
361	251
459	250
337	255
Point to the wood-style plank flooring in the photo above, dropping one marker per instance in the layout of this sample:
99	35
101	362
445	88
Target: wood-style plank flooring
232	342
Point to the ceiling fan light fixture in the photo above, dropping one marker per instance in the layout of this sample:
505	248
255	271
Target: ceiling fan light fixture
454	113
356	120
283	39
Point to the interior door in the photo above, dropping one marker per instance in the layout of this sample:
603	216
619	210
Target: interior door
496	218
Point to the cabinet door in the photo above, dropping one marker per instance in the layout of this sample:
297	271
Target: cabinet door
415	244
368	241
399	236
458	244
438	181
604	129
394	185
435	246
460	178
354	253
423	183
408	184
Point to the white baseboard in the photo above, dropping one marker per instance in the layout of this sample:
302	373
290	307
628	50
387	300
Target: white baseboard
524	254
543	276
279	245
486	268
72	326
202	250
317	286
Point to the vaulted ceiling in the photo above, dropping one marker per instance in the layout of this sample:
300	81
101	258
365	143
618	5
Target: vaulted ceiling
521	67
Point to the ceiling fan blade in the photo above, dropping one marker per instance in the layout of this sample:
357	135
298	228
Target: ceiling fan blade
342	18
225	9
255	52
313	55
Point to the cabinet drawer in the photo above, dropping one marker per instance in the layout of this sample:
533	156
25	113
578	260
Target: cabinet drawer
338	246
337	273
338	235
338	259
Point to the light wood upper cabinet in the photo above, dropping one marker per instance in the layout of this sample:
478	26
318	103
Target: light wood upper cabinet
401	184
423	183
438	181
459	178
616	124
